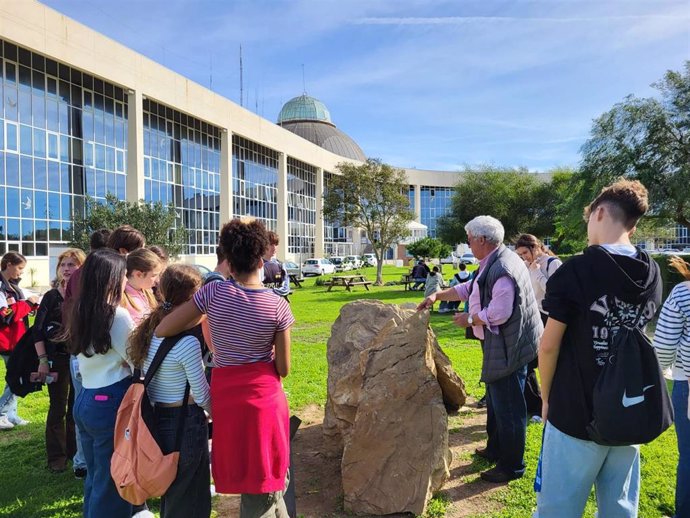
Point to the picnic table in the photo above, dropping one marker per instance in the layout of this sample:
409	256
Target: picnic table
407	280
297	280
348	281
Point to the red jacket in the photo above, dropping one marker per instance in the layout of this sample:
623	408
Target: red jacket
11	333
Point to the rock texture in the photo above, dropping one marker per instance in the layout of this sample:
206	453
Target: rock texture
385	411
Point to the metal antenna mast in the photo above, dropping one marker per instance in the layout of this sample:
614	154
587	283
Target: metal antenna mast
241	79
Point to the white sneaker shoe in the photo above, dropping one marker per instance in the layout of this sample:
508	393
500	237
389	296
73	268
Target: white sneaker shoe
17	421
5	423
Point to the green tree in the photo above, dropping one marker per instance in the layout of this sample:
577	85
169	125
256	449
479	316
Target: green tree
519	199
647	139
429	247
156	221
371	196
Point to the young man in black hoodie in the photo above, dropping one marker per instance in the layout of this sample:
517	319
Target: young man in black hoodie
585	300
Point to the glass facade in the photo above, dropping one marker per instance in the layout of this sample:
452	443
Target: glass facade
255	181
182	168
335	234
63	134
436	202
410	195
301	182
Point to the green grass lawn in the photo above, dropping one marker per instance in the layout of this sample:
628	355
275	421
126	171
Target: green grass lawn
30	491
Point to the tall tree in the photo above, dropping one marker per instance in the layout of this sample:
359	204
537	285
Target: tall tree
519	199
647	139
156	221
372	196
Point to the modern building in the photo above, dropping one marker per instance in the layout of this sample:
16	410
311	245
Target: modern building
81	114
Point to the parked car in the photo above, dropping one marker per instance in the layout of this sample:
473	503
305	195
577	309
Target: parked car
355	261
203	270
340	264
451	259
317	266
669	251
370	260
293	269
468	258
685	250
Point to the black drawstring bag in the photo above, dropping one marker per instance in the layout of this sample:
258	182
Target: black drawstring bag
631	404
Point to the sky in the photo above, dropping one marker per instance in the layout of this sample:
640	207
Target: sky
421	84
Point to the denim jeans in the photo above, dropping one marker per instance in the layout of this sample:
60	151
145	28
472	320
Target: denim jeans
78	461
190	493
95	411
571	466
506	421
8	401
679	397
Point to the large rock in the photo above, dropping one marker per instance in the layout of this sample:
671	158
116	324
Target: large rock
396	455
389	384
357	326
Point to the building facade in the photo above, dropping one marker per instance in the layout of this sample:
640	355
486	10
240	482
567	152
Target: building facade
81	115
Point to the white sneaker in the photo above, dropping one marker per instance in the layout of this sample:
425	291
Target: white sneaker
5	423
17	421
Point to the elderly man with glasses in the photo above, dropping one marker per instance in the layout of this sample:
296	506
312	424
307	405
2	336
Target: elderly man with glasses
504	315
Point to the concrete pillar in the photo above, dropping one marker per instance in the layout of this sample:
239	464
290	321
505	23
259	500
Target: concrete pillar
282	229
418	203
319	230
135	147
225	201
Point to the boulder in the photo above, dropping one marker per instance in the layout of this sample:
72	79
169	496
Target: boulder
356	327
396	454
452	386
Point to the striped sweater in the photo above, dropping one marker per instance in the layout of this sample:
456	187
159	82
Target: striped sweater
672	336
183	363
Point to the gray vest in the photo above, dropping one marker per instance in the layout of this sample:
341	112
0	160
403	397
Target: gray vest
516	342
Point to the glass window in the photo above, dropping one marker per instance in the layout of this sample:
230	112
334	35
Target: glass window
53	140
11	137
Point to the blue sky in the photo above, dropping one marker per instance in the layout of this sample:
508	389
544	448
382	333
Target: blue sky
426	84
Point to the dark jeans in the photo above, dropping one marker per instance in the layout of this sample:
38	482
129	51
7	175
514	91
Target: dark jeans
60	437
189	496
679	397
533	390
95	411
506	421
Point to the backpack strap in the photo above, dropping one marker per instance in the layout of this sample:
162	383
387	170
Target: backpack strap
165	347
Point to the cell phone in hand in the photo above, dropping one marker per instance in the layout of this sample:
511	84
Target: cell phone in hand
51	377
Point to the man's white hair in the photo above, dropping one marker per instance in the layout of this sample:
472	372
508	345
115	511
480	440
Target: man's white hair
487	227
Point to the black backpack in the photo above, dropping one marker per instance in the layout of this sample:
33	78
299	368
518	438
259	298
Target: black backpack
631	404
22	362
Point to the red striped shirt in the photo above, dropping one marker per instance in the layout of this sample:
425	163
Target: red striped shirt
243	321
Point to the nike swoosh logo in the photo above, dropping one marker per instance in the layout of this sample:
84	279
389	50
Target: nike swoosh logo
632	401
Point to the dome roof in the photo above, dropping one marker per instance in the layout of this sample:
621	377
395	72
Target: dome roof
328	137
309	118
304	108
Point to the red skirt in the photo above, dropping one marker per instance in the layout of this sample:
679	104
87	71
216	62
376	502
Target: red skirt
251	429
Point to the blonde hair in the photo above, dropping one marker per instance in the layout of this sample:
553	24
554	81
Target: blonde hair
680	266
71	253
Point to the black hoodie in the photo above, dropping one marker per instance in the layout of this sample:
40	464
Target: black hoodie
589	293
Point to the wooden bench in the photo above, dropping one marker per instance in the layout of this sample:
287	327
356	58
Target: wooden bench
297	281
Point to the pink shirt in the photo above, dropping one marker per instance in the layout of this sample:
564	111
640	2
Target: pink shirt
143	308
499	309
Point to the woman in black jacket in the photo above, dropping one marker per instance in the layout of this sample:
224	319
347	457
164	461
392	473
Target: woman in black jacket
54	365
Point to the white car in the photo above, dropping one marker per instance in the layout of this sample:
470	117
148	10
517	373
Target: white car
353	260
468	258
317	266
340	264
370	260
451	259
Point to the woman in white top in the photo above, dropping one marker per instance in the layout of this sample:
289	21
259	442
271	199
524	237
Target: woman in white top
190	493
672	344
98	331
541	263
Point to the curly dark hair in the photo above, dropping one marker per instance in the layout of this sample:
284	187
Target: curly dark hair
626	201
243	243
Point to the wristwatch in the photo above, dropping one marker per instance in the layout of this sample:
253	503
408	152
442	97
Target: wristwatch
470	320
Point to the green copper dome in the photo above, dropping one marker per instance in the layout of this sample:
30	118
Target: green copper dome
304	108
